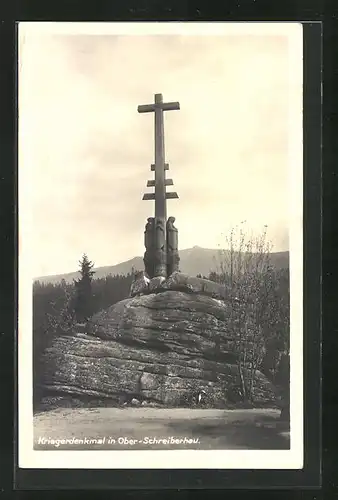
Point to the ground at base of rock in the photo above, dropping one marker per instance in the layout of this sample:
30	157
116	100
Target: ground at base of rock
126	429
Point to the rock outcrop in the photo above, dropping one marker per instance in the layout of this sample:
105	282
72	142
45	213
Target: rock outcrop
163	347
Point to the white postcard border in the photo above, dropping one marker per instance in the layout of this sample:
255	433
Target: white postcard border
173	459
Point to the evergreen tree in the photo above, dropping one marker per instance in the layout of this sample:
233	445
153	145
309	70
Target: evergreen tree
83	297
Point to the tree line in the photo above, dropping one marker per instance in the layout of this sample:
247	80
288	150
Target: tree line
58	307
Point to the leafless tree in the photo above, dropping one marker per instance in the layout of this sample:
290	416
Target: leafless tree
244	267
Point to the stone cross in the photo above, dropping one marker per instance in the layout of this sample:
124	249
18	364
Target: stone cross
158	253
160	196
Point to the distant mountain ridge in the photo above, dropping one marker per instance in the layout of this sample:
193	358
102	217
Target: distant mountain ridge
193	261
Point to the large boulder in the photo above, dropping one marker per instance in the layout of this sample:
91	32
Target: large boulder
184	282
164	347
177	281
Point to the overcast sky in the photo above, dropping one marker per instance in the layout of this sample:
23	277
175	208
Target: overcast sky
85	151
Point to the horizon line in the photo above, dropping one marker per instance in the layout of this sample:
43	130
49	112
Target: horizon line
35	278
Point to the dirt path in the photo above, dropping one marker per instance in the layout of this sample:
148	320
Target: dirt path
149	428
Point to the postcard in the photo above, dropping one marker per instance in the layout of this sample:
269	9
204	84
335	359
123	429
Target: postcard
160	173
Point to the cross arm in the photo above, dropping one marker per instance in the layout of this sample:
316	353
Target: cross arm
166	167
170	106
165	106
167	182
151	196
146	108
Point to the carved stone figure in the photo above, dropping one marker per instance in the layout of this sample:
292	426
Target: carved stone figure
149	233
173	258
160	248
149	243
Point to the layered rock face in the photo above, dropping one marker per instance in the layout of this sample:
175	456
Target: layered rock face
163	347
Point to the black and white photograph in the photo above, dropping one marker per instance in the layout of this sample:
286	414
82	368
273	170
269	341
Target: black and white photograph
160	176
